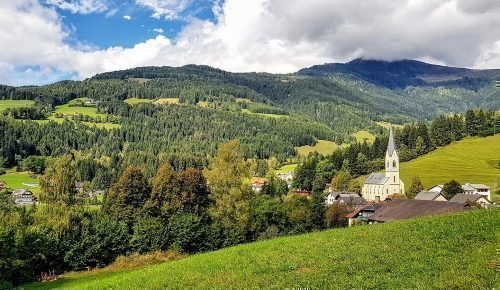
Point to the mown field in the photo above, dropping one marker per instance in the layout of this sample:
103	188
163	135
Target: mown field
322	147
363	135
161	101
15	180
470	160
7	104
455	251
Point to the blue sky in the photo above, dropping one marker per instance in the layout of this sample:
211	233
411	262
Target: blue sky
43	41
125	23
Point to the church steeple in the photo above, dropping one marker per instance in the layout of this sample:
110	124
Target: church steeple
391	146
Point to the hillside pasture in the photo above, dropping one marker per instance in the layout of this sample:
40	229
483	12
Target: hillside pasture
11	104
471	160
323	147
247	111
20	180
135	101
167	101
408	254
287	168
363	135
68	110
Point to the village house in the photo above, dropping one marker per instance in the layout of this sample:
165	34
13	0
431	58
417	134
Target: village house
380	185
469	188
287	176
257	185
430	195
474	198
361	215
409	208
350	199
23	197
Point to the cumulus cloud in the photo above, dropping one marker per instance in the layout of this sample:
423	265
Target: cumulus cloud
127	17
158	30
266	35
79	6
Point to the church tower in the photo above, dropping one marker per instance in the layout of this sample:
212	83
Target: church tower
392	166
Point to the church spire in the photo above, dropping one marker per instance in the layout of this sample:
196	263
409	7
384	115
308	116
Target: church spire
391	147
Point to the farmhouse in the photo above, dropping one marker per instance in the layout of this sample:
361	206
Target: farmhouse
430	195
469	188
476	198
361	215
379	185
350	199
257	185
409	208
23	197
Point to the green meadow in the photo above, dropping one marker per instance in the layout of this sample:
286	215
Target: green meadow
66	109
322	147
247	111
15	180
10	104
456	251
363	135
287	168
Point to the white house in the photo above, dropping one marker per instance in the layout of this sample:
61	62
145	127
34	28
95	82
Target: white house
23	197
347	198
380	185
469	188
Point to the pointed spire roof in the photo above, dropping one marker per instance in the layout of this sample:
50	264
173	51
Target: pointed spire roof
391	147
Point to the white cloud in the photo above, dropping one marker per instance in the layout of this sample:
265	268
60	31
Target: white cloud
170	9
264	35
158	30
79	6
127	17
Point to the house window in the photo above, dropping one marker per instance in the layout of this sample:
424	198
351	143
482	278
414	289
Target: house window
387	163
394	163
394	179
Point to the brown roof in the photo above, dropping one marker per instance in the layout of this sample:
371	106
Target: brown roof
463	197
409	208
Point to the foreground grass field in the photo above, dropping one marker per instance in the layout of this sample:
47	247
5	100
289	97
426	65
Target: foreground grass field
470	160
447	252
322	147
6	104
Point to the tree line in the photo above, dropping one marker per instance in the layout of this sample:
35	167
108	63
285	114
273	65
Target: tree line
189	211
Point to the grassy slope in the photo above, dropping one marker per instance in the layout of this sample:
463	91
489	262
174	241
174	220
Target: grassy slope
455	251
322	147
464	161
6	104
15	180
363	135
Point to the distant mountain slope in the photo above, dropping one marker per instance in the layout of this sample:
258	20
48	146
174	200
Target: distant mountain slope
345	97
403	73
449	251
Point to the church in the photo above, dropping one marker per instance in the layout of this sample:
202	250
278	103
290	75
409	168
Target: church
379	185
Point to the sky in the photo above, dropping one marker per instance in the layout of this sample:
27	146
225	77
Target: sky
44	41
